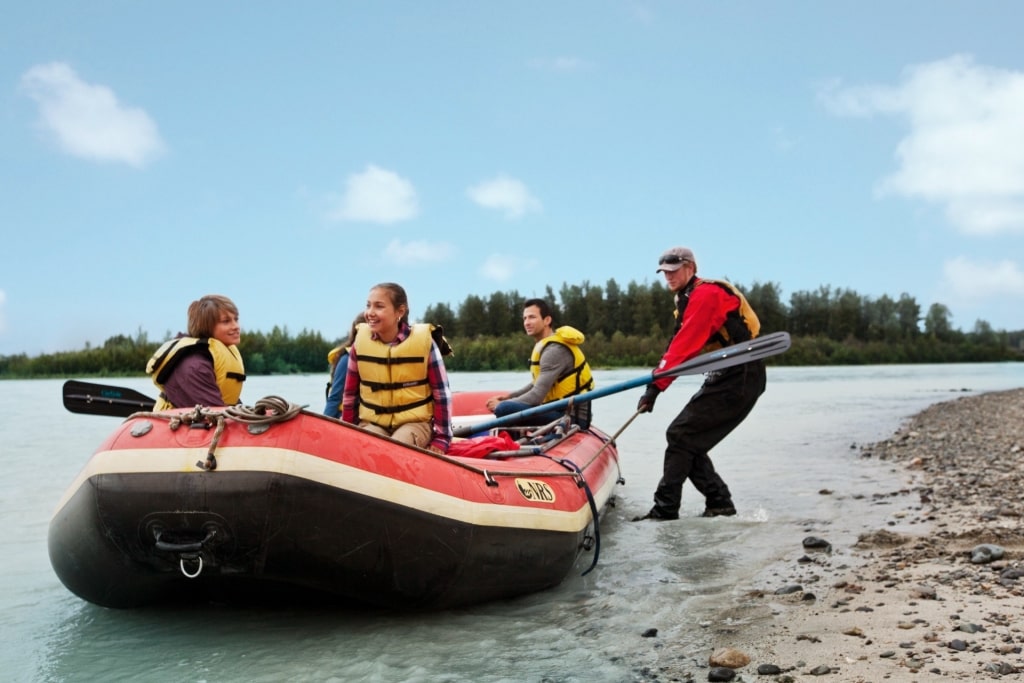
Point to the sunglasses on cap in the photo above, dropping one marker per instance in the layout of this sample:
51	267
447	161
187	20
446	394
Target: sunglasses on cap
671	260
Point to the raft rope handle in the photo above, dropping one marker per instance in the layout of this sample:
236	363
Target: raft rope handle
582	483
192	551
199	567
211	459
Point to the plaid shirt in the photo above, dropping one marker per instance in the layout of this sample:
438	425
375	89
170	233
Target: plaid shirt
437	377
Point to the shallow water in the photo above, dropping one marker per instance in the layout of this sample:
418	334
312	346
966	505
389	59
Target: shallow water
802	438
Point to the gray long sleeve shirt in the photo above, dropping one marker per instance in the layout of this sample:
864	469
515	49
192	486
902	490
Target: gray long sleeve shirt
555	361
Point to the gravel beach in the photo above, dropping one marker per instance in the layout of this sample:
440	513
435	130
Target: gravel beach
938	594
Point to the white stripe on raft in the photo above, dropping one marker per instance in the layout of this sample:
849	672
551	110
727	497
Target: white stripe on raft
330	473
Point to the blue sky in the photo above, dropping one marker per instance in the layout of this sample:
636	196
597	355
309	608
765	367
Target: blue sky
291	155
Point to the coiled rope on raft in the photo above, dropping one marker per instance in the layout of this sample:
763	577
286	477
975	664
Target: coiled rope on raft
265	412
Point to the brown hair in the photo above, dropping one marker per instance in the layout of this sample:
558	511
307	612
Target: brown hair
542	306
398	297
360	318
204	314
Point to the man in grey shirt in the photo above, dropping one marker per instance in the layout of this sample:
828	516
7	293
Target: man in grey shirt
558	366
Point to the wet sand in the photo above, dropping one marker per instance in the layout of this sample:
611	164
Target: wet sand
937	594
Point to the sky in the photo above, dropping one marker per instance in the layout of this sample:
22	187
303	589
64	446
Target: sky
292	155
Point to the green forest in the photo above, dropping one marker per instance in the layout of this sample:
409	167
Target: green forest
627	327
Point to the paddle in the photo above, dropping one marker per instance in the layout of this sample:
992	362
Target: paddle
761	347
100	399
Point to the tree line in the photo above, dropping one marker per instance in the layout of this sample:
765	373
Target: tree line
625	327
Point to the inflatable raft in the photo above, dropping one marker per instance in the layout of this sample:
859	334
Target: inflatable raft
241	504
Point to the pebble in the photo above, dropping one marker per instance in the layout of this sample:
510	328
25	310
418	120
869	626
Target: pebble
721	673
985	553
816	543
730	658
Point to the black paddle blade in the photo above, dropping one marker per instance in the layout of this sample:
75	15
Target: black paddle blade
100	399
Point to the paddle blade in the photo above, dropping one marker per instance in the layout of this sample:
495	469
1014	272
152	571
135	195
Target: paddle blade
99	399
744	352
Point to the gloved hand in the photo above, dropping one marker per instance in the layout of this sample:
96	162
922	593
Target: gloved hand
646	402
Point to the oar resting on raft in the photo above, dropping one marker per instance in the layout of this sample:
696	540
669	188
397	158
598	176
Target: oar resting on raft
101	399
744	352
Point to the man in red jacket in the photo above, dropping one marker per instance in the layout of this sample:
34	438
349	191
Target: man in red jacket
710	314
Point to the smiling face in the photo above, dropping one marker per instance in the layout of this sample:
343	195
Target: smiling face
227	330
214	316
382	316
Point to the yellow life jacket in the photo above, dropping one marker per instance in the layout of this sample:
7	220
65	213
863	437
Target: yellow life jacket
575	381
740	325
394	388
333	356
227	366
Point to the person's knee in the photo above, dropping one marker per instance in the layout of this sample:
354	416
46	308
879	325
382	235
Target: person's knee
373	428
679	433
414	433
509	407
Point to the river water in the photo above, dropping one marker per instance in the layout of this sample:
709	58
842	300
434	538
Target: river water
794	466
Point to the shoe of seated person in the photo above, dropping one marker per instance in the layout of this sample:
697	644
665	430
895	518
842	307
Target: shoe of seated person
722	511
657	515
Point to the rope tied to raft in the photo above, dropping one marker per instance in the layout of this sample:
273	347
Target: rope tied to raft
265	412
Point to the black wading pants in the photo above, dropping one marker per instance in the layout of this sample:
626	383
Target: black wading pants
718	407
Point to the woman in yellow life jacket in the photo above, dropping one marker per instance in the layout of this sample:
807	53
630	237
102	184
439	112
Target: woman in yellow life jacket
396	383
203	367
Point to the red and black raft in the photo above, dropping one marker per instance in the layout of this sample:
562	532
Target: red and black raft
249	503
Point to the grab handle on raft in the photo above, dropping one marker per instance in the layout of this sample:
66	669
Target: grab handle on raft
187	547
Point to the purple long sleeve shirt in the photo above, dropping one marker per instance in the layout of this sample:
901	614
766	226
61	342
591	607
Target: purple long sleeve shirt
193	383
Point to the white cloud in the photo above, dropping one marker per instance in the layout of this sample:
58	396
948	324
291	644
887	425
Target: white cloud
415	253
984	281
642	13
498	267
505	194
560	64
782	140
87	120
377	196
501	267
965	146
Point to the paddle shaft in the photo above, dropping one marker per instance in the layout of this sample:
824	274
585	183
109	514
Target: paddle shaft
744	352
